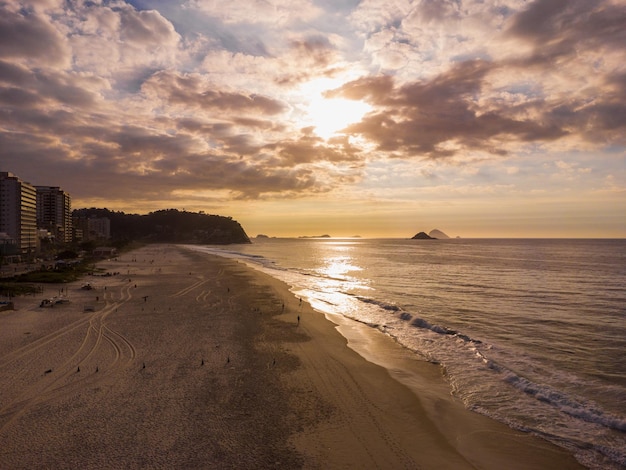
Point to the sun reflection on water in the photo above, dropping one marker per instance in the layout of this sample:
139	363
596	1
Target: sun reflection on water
338	268
338	280
336	261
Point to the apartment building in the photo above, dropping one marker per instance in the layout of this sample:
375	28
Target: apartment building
54	212
18	213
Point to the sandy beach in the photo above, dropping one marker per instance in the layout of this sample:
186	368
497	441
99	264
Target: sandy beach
186	360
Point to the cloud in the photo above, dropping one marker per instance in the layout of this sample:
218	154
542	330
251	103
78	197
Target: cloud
309	148
45	88
29	36
313	51
146	28
419	118
191	90
584	39
500	101
214	98
570	24
277	13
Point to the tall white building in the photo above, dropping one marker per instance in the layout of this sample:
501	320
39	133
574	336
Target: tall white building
54	212
18	212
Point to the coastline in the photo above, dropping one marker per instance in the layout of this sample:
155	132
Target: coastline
191	360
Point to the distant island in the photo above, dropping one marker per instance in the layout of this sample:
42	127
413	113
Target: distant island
432	235
435	233
422	236
170	226
315	236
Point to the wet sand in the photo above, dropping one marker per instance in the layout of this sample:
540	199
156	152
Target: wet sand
193	361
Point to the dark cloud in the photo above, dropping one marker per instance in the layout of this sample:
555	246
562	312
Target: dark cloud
28	36
562	33
313	57
65	88
14	74
540	20
198	126
192	91
45	86
240	144
460	84
599	118
316	51
244	178
133	163
143	145
562	28
424	118
373	89
309	148
11	96
260	124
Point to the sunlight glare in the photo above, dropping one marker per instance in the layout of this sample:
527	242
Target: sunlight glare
330	116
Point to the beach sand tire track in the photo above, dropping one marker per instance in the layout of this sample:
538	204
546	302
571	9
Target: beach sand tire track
189	288
52	386
41	342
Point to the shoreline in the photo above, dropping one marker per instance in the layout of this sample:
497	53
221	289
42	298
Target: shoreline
192	360
406	400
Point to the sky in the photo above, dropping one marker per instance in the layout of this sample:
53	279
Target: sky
376	118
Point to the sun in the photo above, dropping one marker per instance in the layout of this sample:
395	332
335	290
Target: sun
320	107
329	116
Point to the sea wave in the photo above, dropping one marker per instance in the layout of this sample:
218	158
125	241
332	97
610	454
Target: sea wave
576	408
383	305
418	322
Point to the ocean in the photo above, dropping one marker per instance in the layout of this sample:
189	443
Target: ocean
530	332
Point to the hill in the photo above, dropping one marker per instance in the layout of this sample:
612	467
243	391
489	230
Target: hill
171	226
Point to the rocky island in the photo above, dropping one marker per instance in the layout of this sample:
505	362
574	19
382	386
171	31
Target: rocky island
422	236
434	234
